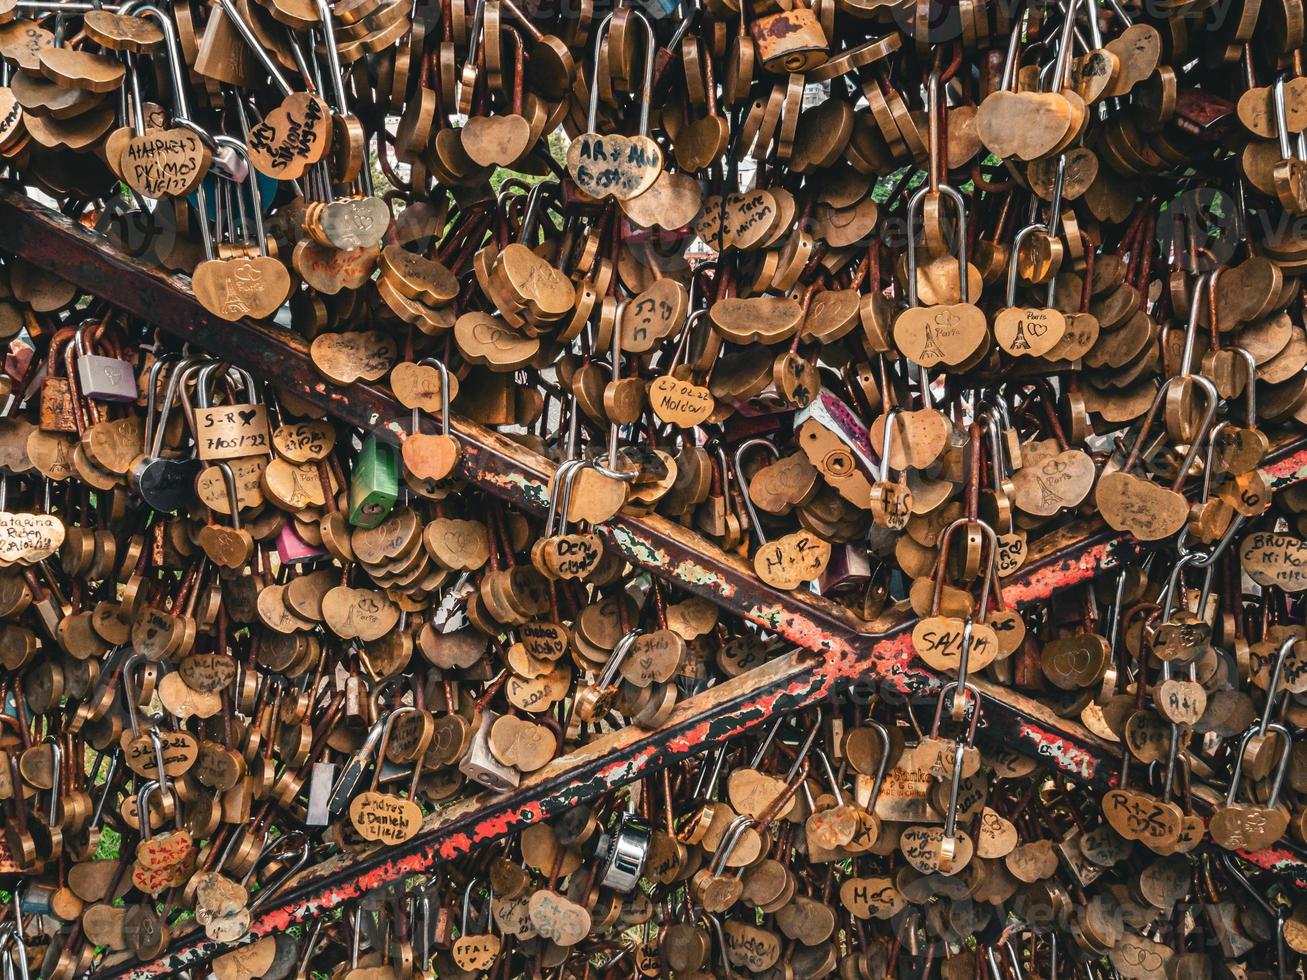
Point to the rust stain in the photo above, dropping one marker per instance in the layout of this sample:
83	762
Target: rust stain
1063	574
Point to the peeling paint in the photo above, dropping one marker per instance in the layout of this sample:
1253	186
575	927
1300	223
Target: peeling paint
1067	756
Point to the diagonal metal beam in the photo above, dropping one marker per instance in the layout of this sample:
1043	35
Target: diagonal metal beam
837	652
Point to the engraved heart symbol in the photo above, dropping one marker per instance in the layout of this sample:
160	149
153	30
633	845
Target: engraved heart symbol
1028	331
182	701
654	658
521	743
614	165
360	613
1045	486
944	334
246	286
475	953
358	223
459	545
927	850
291	137
780	486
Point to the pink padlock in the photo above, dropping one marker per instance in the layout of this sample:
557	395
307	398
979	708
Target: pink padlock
292	549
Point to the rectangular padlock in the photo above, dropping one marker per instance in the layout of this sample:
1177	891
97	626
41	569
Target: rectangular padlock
294	550
106	379
374	484
482	767
848	567
321	779
839	446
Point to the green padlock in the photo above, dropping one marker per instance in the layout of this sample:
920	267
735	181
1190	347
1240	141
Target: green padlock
374	484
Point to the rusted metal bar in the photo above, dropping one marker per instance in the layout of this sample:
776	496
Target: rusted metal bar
852	657
853	650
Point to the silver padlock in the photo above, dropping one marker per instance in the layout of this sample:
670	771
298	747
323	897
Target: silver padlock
622	853
105	379
321	779
481	766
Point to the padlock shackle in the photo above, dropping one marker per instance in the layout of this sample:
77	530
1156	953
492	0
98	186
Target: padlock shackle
883	766
386	726
914	207
742	484
891	417
955	785
1236	778
233	500
968	691
646	90
624	645
1150	419
830	776
304	849
143	807
257	49
1168	598
439	365
569	481
1017	240
1273	688
256	199
987	583
562	477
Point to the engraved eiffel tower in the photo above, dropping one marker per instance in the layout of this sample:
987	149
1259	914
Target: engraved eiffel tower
1047	496
1019	342
930	348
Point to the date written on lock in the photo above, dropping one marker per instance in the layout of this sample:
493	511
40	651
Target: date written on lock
229	432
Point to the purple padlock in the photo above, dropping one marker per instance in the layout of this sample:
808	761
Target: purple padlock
292	549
